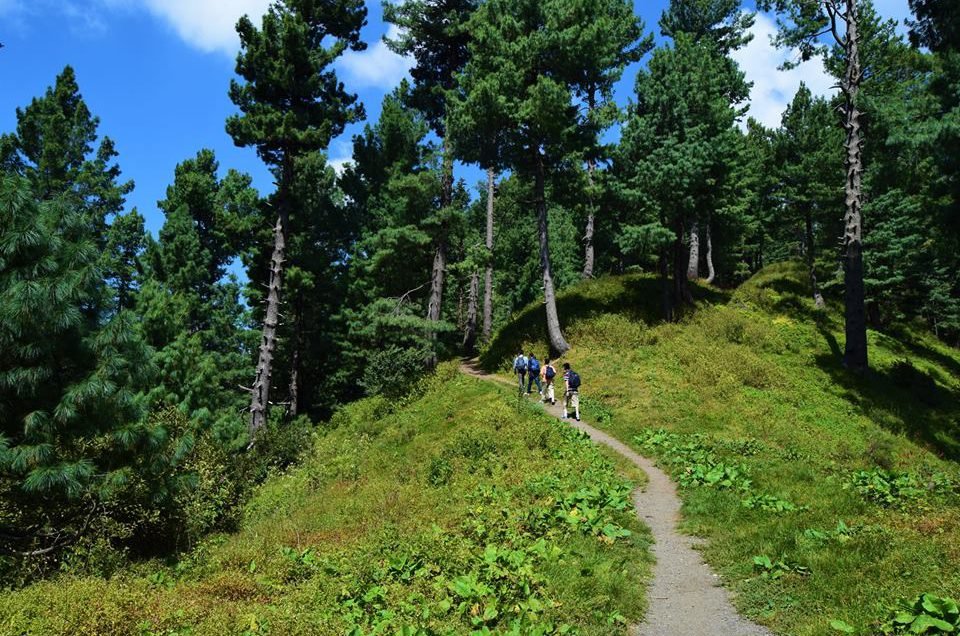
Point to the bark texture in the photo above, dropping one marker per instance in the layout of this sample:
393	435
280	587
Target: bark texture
488	274
711	272
439	269
558	344
811	264
681	289
293	408
588	256
470	327
260	391
855	352
693	264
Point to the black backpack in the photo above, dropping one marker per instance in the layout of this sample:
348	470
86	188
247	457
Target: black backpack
551	372
573	380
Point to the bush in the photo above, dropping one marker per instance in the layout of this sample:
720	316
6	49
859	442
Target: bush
394	371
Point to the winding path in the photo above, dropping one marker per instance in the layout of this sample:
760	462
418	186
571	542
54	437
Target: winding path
686	597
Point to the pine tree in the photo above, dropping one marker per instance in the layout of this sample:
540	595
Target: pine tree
71	423
55	149
190	310
523	71
435	33
123	268
677	152
805	152
392	185
292	105
598	55
806	22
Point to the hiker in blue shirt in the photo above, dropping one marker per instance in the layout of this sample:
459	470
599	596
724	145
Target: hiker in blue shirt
533	368
520	368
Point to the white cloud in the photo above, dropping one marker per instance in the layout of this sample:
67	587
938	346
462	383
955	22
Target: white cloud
340	164
208	25
377	67
773	89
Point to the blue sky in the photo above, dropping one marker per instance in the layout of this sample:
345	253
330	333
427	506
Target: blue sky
156	72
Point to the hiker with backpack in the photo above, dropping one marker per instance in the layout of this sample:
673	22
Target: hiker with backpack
571	394
533	368
547	374
520	368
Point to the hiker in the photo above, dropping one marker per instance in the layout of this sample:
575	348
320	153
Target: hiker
533	368
571	393
520	368
547	374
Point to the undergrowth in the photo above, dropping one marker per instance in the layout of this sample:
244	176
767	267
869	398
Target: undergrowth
455	513
828	501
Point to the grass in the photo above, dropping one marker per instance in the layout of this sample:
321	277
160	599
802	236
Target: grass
754	380
456	513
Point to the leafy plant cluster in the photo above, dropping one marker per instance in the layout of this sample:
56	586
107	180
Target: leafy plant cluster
927	614
694	462
892	489
504	544
777	568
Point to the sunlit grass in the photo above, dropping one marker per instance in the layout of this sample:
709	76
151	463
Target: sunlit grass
374	530
762	367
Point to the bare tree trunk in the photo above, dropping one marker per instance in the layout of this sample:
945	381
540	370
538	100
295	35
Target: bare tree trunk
588	257
711	272
470	331
268	343
855	354
488	275
666	291
693	264
294	406
681	290
811	264
558	344
439	269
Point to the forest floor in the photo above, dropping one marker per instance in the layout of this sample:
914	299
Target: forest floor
685	596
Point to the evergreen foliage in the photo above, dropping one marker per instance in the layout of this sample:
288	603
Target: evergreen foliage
679	154
73	423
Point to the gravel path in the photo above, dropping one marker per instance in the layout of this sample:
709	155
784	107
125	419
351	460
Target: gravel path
686	597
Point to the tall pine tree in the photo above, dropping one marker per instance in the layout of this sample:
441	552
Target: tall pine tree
292	105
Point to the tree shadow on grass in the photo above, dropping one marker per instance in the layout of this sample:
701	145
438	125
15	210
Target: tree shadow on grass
901	398
636	297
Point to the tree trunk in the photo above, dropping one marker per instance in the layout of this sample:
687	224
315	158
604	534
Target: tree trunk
558	344
693	264
470	331
666	291
294	403
588	257
440	254
260	391
681	290
855	354
711	272
488	275
811	264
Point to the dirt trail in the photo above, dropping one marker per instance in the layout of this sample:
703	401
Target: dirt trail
685	598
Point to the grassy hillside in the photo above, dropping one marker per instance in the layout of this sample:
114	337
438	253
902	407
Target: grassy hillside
824	497
459	512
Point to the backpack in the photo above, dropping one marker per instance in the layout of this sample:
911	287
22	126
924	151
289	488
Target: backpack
573	380
520	364
551	372
534	365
